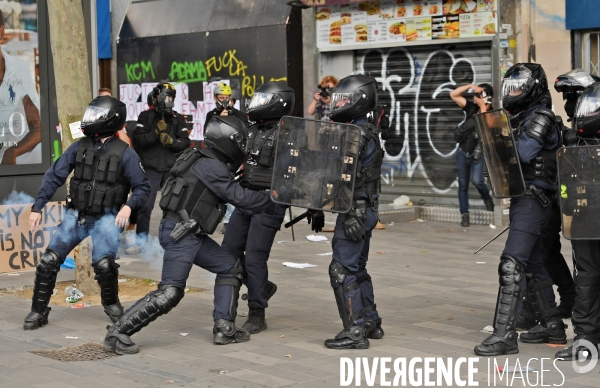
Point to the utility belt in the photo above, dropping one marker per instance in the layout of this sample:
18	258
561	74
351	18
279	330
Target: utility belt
359	208
539	194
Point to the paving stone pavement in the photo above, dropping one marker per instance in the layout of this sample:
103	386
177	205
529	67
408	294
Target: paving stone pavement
434	295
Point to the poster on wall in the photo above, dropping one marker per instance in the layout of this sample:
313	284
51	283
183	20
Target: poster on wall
20	126
388	21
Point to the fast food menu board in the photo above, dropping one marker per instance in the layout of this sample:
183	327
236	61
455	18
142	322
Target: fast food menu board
387	21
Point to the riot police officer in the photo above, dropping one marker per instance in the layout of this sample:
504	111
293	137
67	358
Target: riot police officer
160	134
526	97
106	168
193	201
580	206
352	99
570	84
223	105
250	234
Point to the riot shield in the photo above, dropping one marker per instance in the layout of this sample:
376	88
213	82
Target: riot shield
578	177
315	164
500	153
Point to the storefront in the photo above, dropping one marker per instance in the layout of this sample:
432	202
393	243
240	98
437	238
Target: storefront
418	51
582	20
202	43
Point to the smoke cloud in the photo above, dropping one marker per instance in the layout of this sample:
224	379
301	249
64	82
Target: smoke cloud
18	198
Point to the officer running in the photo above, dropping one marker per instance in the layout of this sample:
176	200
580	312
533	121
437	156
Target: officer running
352	99
193	201
250	234
526	97
105	170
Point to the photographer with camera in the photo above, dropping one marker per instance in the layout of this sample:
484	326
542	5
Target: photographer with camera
320	104
469	161
224	105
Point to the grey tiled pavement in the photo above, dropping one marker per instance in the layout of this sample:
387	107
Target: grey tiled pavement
432	294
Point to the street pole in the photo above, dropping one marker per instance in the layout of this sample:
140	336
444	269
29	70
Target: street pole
73	93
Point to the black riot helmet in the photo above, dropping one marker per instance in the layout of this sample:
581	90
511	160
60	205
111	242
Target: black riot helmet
163	97
523	86
271	100
228	136
354	96
587	112
571	85
103	117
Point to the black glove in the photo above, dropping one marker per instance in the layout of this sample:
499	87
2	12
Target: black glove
354	228
317	217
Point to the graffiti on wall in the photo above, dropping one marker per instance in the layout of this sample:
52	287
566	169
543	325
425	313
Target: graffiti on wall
415	90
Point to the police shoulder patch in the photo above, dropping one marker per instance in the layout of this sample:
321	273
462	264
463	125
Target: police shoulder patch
142	167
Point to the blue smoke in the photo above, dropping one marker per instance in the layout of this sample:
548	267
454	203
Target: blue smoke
18	198
152	252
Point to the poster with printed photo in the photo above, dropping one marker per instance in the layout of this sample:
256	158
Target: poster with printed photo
397	30
418	29
445	27
486	6
20	125
484	23
378	32
387	8
372	8
329	27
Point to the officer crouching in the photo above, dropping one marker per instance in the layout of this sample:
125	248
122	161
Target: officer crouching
352	99
193	201
106	168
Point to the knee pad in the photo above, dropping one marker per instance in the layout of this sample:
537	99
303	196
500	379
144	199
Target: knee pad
106	268
509	270
167	297
337	274
49	262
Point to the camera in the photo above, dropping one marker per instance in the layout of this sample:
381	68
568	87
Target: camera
224	105
189	121
324	91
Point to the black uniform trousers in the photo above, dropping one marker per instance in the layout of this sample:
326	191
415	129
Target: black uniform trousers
586	257
554	261
157	180
353	256
524	242
249	236
202	251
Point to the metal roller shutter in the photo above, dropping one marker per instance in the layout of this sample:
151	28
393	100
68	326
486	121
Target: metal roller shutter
414	84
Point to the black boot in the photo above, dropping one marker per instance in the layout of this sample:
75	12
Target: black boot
138	316
551	328
373	328
553	332
256	320
45	280
225	332
489	204
107	275
526	320
271	290
578	353
465	220
504	338
354	337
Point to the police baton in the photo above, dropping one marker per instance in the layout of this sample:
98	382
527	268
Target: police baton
488	243
291	218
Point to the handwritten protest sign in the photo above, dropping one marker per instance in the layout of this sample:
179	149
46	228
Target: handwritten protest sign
20	250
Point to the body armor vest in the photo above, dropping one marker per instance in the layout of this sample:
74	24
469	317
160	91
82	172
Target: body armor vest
543	166
184	191
368	178
258	169
98	185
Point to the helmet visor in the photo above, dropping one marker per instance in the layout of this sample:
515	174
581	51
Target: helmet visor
241	142
518	83
95	113
262	99
341	101
589	102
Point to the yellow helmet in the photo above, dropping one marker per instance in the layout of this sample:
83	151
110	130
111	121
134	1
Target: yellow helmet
222	88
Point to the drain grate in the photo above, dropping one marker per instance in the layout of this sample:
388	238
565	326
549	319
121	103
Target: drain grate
87	352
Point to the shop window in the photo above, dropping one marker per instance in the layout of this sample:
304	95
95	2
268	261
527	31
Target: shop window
591	52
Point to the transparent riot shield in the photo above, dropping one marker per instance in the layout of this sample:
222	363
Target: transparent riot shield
578	177
500	153
315	164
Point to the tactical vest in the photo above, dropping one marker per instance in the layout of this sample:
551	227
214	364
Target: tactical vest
184	191
542	167
368	178
98	185
258	169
